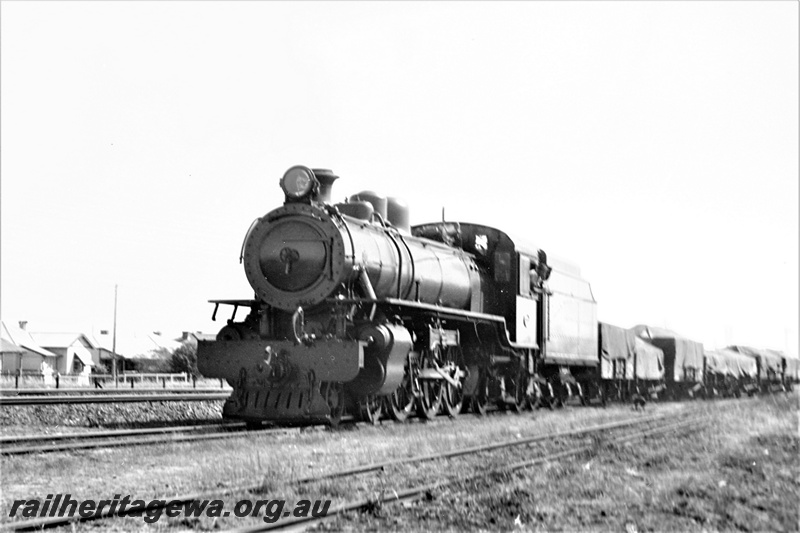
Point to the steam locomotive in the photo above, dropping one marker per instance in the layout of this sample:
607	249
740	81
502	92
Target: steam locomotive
357	313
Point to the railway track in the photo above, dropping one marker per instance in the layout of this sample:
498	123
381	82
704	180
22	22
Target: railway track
115	390
25	444
113	398
495	466
634	428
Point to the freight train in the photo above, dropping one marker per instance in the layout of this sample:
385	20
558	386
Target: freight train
356	312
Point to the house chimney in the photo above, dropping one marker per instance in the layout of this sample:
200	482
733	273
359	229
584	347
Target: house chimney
23	325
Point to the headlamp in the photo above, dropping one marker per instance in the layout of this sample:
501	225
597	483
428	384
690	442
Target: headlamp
298	182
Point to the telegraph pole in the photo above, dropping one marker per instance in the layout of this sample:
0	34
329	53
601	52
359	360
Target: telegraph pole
114	341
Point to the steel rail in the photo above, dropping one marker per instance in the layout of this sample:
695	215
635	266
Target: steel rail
415	492
40	523
157	438
481	448
22	444
120	398
110	390
17	439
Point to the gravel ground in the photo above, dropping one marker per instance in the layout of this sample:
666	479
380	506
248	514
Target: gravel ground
740	472
164	470
658	486
27	419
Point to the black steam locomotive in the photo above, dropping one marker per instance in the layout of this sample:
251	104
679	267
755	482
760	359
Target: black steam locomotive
356	312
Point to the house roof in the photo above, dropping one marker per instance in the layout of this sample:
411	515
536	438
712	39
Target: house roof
85	358
60	340
10	347
138	346
128	345
154	346
22	338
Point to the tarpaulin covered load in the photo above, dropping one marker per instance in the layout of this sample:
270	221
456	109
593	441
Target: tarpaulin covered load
731	363
791	365
717	363
641	359
616	344
792	368
769	362
649	360
683	358
740	365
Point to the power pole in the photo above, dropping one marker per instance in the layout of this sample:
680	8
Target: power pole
114	341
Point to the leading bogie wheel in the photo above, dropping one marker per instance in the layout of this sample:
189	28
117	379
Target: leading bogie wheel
334	397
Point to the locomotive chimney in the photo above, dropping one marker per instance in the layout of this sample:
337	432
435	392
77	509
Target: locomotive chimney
326	178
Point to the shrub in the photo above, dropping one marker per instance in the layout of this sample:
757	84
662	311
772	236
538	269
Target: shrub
184	359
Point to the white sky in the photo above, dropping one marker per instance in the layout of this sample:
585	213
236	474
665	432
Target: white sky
655	144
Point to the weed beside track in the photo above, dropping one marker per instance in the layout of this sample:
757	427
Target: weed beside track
741	471
609	487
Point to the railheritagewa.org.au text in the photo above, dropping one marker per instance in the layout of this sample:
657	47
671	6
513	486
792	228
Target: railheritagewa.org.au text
65	506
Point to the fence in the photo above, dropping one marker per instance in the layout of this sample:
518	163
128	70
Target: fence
127	380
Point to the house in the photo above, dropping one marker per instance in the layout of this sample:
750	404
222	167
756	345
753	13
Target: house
10	351
104	352
22	354
190	338
73	353
152	352
140	352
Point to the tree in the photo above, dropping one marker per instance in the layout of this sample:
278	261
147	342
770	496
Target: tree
184	359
